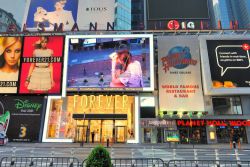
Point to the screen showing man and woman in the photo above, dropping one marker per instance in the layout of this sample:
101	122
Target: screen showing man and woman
121	63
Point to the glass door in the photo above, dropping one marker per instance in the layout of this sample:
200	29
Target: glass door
95	132
81	133
107	130
120	134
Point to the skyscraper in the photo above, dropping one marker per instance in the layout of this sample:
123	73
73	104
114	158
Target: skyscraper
123	15
230	10
242	12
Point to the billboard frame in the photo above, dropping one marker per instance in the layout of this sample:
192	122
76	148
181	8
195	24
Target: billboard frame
177	18
151	59
205	67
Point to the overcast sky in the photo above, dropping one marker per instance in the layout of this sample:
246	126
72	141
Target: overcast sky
16	7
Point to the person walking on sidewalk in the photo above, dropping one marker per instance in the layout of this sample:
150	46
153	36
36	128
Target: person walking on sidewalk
235	139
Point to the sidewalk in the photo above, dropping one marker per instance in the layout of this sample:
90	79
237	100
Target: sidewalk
156	146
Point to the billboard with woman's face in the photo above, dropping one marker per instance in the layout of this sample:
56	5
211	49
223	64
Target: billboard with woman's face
10	54
42	64
109	63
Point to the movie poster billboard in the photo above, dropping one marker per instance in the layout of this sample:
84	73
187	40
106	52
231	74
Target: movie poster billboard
179	74
10	55
20	117
97	14
226	64
42	65
109	63
46	13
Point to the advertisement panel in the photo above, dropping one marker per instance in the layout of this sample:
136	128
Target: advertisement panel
86	13
42	65
179	74
109	63
10	54
226	64
95	11
177	9
20	117
47	13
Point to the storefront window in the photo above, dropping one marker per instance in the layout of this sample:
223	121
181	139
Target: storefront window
227	106
193	135
223	133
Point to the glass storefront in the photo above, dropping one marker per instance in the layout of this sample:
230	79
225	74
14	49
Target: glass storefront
223	133
193	135
158	131
92	118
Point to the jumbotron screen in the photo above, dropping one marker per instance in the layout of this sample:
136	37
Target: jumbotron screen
110	63
177	9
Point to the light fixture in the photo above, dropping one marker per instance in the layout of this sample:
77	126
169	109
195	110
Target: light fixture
185	113
205	113
195	112
212	135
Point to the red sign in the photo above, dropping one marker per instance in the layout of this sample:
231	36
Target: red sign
213	122
173	25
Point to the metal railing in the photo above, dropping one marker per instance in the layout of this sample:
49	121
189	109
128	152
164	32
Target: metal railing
207	163
135	162
39	162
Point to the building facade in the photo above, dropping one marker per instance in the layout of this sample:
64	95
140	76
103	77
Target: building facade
6	19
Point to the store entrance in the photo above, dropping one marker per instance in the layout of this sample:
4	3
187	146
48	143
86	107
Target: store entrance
120	134
98	131
81	132
193	135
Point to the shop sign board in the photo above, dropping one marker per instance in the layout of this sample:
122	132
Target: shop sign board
197	123
155	123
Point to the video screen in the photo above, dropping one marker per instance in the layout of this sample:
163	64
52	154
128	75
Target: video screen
110	63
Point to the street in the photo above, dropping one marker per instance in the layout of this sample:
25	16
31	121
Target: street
182	152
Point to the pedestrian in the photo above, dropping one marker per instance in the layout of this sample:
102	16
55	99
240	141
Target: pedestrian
231	138
235	139
93	136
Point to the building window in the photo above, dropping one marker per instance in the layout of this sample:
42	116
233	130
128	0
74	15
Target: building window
227	106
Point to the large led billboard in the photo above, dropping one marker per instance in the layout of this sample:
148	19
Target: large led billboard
109	63
225	64
177	9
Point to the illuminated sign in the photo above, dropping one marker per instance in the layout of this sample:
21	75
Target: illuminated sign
198	123
109	63
179	74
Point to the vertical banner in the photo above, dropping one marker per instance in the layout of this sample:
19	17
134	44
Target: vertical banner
42	64
10	54
20	117
47	13
98	12
179	74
